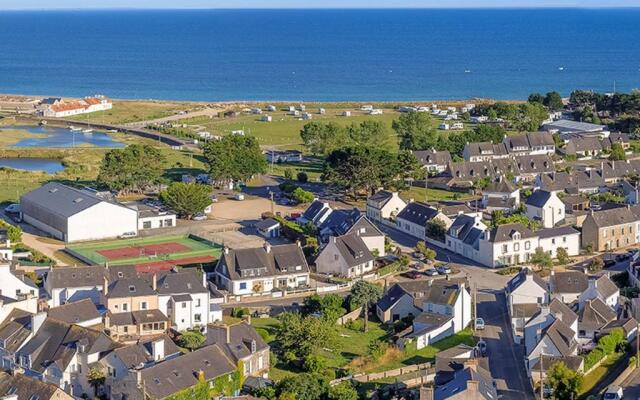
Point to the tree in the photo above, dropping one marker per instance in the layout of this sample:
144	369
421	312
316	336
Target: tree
562	255
323	138
421	247
302	196
131	169
596	264
187	199
330	306
314	363
409	166
415	131
541	258
343	391
553	101
234	158
564	382
430	254
364	293
96	377
302	177
191	340
368	133
305	386
436	229
288	174
617	152
536	98
303	335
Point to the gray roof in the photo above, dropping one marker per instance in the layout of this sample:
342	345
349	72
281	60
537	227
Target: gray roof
524	310
341	222
353	250
417	213
172	376
267	224
606	287
15	329
458	386
628	325
134	355
565	125
562	336
59	199
185	281
612	217
615	137
76	277
75	312
279	260
27	388
486	149
314	210
515	282
595	314
573	362
430	321
568	282
556	308
539	198
241	337
129	287
464	228
430	157
504	233
379	199
540	139
435	291
501	186
555	232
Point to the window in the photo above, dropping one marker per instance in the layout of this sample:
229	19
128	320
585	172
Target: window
168	222
243	285
197	302
184	304
143	305
564	239
125	307
505	248
553	241
604	233
146	225
125	329
335	257
539	300
559	211
197	318
527	245
516	247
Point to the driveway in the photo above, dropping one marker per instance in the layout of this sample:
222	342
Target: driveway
631	385
505	357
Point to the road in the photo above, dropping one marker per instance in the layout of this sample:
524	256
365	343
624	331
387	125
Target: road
505	357
631	385
207	112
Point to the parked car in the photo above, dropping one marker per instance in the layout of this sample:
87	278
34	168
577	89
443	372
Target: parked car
199	217
479	324
443	269
412	274
613	393
418	256
239	196
482	348
128	235
622	257
12	208
609	263
431	272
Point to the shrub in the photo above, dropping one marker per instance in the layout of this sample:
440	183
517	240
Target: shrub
302	177
302	196
377	348
263	333
314	363
354	325
287	187
288	174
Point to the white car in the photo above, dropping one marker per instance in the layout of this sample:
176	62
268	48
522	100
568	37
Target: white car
479	324
613	393
128	235
12	208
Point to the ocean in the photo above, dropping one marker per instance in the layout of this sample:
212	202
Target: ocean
321	55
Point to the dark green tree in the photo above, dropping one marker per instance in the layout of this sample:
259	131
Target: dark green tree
191	340
564	381
305	386
187	199
363	294
368	133
323	138
343	391
617	152
131	169
303	336
553	101
536	98
235	158
415	131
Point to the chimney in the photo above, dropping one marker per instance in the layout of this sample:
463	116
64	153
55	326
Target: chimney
200	376
154	283
36	321
158	349
593	283
298	243
333	239
426	393
105	289
411	200
472	389
228	332
226	250
553	273
267	247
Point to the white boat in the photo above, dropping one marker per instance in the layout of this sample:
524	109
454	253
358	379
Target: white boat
87	131
75	129
561	68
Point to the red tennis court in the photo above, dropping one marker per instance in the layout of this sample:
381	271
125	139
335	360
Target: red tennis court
168	264
141	251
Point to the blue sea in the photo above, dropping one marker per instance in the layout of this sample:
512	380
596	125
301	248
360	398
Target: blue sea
324	55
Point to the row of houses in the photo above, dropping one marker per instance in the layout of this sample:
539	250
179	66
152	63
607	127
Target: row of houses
59	108
120	321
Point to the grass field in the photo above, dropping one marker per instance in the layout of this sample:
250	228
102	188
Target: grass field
139	251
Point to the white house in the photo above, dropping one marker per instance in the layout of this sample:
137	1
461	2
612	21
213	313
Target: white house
268	228
16	287
525	293
433	161
184	298
262	270
345	222
63	108
464	234
567	286
556	340
64	285
413	219
500	195
6	251
152	217
508	244
384	205
601	288
71	214
546	315
593	316
553	238
346	256
316	213
545	207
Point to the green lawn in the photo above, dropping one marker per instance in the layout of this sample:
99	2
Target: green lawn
125	111
430	195
592	379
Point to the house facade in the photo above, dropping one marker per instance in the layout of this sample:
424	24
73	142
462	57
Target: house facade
384	205
347	256
413	219
609	229
546	207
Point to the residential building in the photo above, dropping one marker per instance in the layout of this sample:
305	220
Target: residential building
352	222
631	193
345	256
567	286
72	284
557	340
184	298
545	316
71	215
413	219
587	147
316	213
464	234
268	228
16	328
532	143
18	387
545	207
208	364
384	205
450	360
62	354
593	316
525	293
152	217
82	312
551	239
500	195
609	229
16	286
508	244
433	161
6	250
472	382
589	181
601	288
617	137
243	346
262	270
484	151
59	108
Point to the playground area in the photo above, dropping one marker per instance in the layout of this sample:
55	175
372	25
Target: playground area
161	251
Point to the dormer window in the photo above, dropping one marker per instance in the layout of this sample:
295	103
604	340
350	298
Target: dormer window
253	346
132	288
516	236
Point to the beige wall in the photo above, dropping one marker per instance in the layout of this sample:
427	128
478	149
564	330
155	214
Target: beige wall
115	305
609	238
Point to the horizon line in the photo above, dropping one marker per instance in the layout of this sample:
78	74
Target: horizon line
130	8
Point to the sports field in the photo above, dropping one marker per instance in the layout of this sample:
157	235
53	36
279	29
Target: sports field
161	251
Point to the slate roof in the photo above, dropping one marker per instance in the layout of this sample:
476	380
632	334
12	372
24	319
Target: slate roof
627	325
540	139
27	388
453	209
562	336
595	314
417	213
341	222
533	164
524	274
612	217
557	308
428	321
60	199
266	224
561	181
241	335
486	149
353	250
75	312
281	260
555	232
615	137
435	291
129	287
574	363
457	387
606	287
524	310
379	199
133	355
171	376
504	233
466	229
502	186
315	209
430	157
15	329
582	144
76	277
538	198
180	282
568	282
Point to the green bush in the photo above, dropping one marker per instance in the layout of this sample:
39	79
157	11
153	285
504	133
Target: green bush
354	325
288	187
377	348
288	174
302	196
302	177
314	363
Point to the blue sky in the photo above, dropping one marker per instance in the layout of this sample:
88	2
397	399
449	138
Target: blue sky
84	4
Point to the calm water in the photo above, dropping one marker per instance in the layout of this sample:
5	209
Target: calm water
62	137
319	54
32	164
